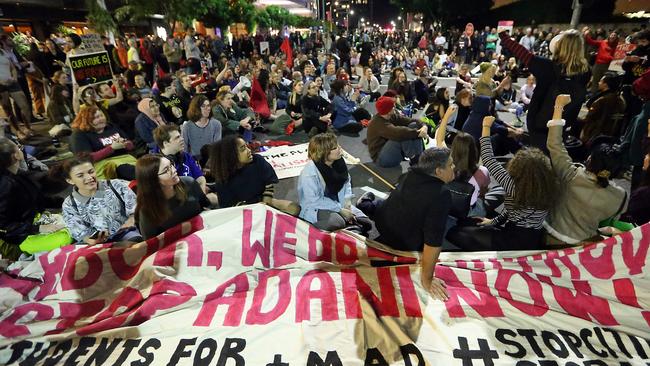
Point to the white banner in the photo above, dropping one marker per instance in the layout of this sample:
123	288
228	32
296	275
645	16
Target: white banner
288	161
253	286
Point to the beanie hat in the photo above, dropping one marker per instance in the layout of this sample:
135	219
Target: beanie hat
385	105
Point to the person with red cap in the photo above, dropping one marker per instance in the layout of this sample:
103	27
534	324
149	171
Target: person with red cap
392	137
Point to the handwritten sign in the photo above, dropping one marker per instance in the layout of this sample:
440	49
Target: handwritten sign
91	68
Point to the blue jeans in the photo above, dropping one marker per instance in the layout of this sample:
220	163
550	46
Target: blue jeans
394	152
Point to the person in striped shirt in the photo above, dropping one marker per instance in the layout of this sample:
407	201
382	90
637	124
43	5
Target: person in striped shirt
530	185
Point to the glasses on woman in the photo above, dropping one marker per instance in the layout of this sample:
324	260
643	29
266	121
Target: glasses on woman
169	170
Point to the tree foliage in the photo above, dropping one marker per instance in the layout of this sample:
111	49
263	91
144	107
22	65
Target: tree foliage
184	11
99	18
276	17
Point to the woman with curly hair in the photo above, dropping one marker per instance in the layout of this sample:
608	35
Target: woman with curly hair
530	185
107	144
242	177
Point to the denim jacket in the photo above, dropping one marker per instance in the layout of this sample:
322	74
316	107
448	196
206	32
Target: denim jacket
343	108
311	194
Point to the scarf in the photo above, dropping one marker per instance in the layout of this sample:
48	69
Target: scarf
143	107
334	176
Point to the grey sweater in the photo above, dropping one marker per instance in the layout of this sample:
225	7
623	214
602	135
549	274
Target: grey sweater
196	137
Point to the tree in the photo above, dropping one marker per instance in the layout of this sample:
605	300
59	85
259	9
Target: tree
184	11
219	14
99	18
276	17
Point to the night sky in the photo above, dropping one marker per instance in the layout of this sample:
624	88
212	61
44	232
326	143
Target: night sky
384	11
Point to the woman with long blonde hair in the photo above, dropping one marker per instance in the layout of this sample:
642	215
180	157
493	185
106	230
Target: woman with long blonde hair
566	72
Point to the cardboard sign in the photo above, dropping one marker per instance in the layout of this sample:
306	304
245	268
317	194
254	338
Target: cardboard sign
250	285
621	51
90	43
264	48
91	68
288	161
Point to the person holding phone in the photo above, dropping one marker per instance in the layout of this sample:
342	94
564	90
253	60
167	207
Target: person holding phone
97	211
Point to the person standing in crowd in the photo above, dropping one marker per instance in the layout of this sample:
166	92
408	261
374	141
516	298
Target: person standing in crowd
170	143
173	53
530	185
201	128
343	47
587	196
148	120
528	40
164	199
133	55
566	73
324	188
243	178
10	90
604	56
192	53
120	55
391	137
96	211
55	58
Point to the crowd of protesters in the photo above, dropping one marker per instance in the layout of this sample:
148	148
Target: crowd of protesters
176	130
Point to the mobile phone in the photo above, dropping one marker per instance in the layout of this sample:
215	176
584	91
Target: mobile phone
95	235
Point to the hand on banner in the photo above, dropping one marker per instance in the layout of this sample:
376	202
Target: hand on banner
436	288
347	214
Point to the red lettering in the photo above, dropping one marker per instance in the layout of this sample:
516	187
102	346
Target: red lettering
600	267
583	304
283	294
283	255
235	302
386	306
537	308
636	261
52	270
346	249
72	312
251	251
485	304
566	261
117	312
320	245
21	286
93	268
326	294
123	270
410	298
625	292
164	294
10	327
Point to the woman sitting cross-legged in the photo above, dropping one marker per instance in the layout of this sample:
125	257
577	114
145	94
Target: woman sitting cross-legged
587	196
242	177
106	144
347	111
530	185
324	188
316	111
165	199
96	211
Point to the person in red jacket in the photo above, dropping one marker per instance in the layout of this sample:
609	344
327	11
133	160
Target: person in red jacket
604	56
